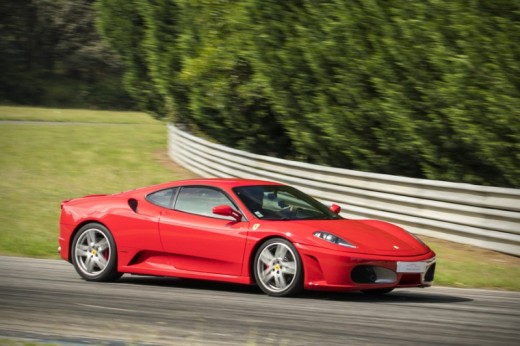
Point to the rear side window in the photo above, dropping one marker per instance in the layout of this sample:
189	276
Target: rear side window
163	198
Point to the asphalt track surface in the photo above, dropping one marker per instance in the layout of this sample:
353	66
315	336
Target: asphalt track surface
46	301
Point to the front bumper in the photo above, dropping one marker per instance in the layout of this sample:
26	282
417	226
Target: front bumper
331	270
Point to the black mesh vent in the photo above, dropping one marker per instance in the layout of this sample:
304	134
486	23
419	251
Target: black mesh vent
430	273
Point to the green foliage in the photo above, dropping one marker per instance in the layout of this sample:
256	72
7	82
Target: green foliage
424	89
52	55
225	101
16	20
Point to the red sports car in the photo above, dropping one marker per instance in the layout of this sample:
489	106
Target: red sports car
241	231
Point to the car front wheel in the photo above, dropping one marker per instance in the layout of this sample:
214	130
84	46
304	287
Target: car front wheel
278	268
94	253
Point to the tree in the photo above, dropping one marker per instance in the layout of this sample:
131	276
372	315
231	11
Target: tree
54	56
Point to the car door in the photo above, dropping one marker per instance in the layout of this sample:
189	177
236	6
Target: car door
198	240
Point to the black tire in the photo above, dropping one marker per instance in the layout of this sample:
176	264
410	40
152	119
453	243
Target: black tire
378	291
278	268
94	253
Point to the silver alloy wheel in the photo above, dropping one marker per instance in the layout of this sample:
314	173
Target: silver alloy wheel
92	252
277	267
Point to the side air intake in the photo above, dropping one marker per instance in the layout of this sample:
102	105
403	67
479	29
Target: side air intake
132	203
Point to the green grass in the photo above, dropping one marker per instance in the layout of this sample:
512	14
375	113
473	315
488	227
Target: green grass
42	164
461	265
74	115
24	342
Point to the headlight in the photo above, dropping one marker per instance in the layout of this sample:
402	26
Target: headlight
331	238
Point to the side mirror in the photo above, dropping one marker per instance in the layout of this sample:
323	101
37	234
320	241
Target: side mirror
336	209
226	210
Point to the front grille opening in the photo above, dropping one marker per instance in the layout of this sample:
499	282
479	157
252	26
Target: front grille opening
367	274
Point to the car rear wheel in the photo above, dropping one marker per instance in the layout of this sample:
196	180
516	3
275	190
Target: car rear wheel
278	268
94	253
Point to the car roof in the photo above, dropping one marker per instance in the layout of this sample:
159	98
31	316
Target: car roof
229	182
225	183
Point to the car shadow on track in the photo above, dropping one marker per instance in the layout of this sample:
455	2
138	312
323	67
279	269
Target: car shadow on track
414	295
189	284
396	297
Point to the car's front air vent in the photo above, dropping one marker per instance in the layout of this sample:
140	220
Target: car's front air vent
132	203
367	274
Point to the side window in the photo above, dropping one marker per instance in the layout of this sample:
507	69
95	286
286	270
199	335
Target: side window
201	200
162	198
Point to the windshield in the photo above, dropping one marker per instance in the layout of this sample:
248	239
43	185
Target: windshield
280	202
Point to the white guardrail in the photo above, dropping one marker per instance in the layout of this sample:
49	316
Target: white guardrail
488	217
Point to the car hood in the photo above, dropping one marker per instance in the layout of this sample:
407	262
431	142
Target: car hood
369	236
